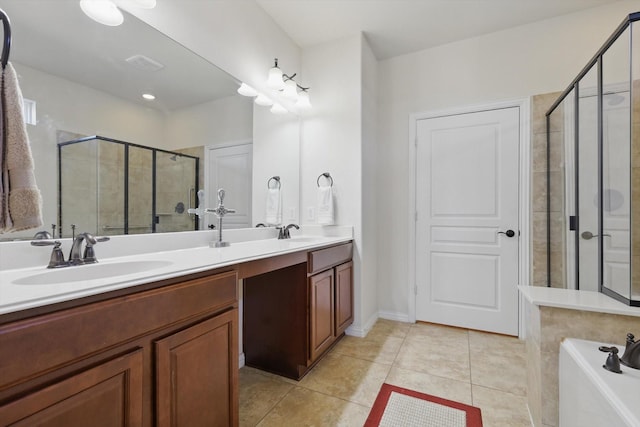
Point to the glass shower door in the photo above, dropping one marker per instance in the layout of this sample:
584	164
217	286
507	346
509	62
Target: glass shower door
175	192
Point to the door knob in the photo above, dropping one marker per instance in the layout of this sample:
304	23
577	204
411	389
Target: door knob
509	233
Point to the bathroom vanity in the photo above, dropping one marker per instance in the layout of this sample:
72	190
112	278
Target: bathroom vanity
164	350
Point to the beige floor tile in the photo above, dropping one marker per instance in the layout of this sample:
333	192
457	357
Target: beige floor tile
259	393
382	349
438	356
445	388
389	328
498	361
495	344
500	409
434	330
303	407
348	378
499	372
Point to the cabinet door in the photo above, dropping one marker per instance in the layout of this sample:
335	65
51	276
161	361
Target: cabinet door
321	312
344	297
107	395
197	374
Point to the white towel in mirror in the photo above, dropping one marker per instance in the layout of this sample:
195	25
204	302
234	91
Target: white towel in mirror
274	207
325	205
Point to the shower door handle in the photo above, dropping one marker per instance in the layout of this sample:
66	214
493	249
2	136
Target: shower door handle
587	235
508	233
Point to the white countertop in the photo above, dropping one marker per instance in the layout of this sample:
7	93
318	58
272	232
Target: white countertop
576	300
122	272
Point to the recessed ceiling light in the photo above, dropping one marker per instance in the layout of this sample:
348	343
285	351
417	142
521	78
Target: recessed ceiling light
102	11
148	96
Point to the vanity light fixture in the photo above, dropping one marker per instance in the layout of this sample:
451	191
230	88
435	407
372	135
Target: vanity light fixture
290	91
246	90
142	4
106	11
274	81
102	11
303	103
278	109
263	100
148	96
288	87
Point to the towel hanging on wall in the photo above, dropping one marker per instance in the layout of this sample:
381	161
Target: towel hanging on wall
274	205
325	201
20	198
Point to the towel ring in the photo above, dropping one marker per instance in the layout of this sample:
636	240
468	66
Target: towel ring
276	179
326	175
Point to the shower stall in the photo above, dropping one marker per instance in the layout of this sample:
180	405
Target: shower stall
111	187
593	173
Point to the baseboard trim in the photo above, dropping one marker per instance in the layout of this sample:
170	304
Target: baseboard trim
363	331
241	360
390	315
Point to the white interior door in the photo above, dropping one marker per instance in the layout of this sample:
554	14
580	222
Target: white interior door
229	168
467	178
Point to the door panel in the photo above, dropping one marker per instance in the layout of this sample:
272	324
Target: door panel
230	168
466	193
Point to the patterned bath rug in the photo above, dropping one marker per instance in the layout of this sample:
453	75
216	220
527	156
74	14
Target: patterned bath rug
397	406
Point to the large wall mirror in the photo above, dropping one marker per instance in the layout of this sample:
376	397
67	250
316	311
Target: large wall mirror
88	79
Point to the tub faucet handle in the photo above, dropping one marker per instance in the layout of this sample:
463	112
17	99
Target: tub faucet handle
613	361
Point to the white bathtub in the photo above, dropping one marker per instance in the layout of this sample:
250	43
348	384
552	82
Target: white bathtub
591	396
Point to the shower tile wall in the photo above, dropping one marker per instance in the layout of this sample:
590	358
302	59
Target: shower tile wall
635	189
540	105
140	190
79	182
110	208
174	192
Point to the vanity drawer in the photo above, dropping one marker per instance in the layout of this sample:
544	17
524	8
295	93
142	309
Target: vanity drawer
326	258
58	339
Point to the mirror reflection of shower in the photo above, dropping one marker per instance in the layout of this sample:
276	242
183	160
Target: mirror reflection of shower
111	187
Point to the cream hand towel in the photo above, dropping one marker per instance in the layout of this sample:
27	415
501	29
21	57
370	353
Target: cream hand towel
274	207
325	205
22	208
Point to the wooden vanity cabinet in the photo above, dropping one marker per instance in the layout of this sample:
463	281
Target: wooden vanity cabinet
294	314
166	356
331	297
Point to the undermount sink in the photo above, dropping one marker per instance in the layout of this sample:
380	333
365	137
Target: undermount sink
90	272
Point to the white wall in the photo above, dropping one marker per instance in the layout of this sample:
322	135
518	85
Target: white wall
223	120
370	196
332	142
276	152
532	59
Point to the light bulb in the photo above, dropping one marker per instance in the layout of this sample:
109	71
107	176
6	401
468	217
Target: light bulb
246	90
102	11
144	4
278	109
148	96
303	103
290	90
275	81
263	101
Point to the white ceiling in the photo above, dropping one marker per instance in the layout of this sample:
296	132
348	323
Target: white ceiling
397	27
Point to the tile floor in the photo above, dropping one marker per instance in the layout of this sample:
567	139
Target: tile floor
476	368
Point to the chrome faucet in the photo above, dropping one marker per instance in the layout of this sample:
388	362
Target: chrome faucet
57	257
631	356
284	231
76	248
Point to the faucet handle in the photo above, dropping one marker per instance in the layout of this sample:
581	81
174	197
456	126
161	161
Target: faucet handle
57	257
89	255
